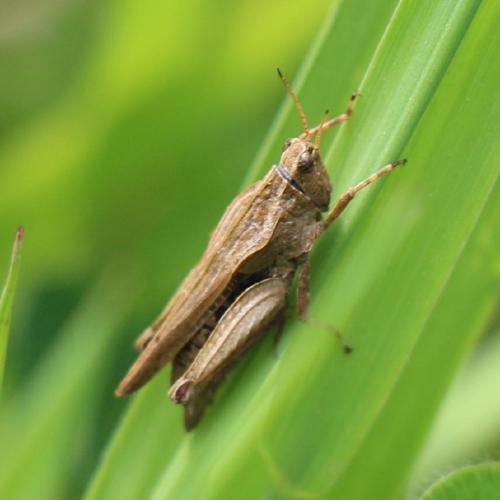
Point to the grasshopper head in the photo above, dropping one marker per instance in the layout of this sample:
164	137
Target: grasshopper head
302	161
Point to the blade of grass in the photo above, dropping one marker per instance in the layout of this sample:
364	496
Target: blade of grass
7	299
404	420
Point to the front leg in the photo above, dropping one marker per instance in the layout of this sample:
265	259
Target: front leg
347	197
248	317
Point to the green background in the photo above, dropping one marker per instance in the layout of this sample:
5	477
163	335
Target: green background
127	127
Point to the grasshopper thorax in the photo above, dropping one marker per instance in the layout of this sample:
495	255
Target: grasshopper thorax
302	166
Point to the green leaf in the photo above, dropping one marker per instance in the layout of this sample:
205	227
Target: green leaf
407	275
7	299
478	482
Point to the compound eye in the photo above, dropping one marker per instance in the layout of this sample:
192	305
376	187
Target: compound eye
306	161
287	144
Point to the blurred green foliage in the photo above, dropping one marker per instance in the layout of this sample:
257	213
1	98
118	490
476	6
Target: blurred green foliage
126	128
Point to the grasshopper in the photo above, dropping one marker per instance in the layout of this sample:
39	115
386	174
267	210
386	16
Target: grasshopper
239	288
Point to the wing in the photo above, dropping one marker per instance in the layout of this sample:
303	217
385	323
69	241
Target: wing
246	227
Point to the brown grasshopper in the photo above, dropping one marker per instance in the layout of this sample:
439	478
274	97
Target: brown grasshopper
239	288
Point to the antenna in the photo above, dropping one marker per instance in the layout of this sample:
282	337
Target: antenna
296	101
